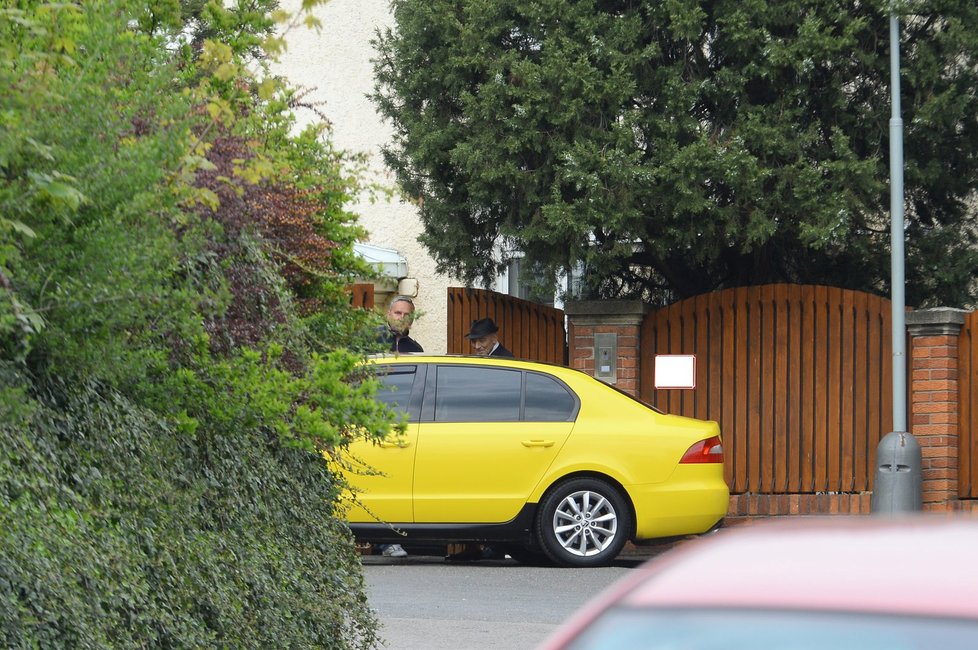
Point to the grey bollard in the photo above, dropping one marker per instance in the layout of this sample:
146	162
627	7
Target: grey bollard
898	475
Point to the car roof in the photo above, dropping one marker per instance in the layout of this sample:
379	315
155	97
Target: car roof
472	359
425	357
921	565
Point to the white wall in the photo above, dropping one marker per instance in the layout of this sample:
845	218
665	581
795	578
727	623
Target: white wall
336	63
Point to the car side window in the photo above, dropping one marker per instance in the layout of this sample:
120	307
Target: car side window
471	394
395	387
547	400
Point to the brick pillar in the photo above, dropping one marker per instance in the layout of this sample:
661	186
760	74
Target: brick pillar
934	401
619	321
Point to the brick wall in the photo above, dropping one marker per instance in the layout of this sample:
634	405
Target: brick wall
621	318
746	506
934	399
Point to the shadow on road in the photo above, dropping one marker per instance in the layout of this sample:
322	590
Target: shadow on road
632	556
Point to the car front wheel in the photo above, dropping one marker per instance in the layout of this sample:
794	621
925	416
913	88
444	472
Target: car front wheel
583	522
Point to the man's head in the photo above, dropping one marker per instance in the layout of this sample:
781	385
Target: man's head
484	344
483	336
400	314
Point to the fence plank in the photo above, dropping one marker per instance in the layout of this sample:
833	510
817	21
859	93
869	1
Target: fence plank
795	397
755	460
886	386
808	391
781	439
879	392
714	358
742	394
767	351
847	392
729	380
685	344
697	344
834	387
820	446
861	402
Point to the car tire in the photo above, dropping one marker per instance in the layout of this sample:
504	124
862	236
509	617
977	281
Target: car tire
583	522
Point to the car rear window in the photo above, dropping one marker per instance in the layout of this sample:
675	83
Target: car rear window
547	400
477	394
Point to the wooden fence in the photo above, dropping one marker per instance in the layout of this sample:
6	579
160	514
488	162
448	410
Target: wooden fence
362	295
797	376
530	331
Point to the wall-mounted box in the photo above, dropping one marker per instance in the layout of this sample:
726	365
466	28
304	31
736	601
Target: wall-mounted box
606	357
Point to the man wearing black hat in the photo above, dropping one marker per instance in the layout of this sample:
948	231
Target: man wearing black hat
485	342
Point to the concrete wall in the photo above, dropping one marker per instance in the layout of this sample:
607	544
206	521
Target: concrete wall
336	64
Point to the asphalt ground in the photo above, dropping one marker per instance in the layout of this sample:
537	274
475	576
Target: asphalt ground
424	602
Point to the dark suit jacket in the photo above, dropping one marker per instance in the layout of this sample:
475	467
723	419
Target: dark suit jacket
500	351
398	342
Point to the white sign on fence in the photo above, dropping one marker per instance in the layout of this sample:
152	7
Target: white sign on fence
675	371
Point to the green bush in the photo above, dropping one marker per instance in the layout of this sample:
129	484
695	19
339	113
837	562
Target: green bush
119	532
174	338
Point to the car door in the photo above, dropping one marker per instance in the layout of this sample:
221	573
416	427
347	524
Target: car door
478	456
384	472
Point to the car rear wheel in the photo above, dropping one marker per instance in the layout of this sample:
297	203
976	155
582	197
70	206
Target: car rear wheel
583	522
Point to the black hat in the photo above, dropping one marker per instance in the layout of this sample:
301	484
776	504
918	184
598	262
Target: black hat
482	327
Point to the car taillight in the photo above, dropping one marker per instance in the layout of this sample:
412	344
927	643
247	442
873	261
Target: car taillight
704	451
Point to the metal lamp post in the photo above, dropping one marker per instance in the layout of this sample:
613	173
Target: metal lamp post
898	458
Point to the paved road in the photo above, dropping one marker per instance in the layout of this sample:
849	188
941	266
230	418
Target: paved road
425	603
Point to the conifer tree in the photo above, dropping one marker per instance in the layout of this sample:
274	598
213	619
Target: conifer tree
672	148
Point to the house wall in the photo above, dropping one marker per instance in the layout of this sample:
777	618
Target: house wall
335	65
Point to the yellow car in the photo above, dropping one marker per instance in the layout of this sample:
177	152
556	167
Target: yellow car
543	461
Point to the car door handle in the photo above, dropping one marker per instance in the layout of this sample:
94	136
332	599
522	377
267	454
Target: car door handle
538	443
388	444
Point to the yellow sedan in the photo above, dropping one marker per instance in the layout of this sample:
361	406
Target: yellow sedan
543	461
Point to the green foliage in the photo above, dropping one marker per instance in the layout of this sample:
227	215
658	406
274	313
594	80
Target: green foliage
175	337
85	169
315	411
672	148
120	532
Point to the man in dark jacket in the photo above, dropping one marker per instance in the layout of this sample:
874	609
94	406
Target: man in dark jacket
485	340
400	315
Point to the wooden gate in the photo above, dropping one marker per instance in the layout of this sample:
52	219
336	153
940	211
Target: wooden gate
798	377
530	331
